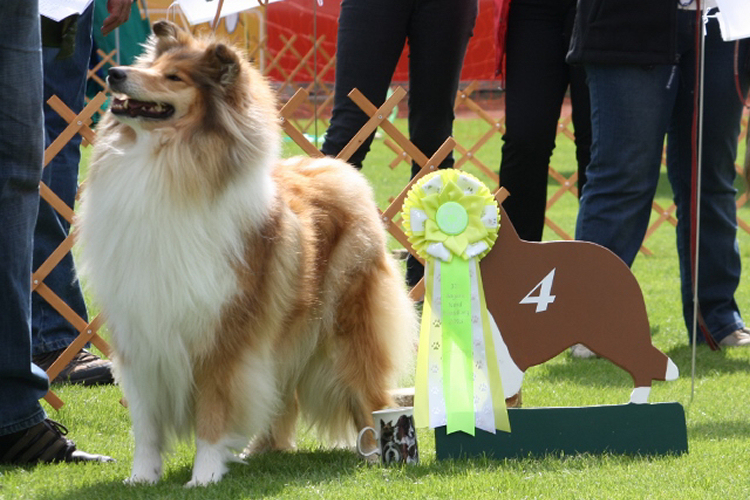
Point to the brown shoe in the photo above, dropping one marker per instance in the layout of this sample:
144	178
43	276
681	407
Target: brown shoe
44	443
85	368
738	338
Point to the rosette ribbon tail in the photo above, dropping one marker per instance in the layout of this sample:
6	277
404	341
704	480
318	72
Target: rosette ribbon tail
458	355
421	394
451	219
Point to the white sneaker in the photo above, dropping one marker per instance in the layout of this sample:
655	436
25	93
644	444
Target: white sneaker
580	351
738	338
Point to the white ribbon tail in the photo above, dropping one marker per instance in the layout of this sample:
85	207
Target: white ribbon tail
510	373
435	357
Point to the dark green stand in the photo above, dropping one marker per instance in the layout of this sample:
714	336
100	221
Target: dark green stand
631	429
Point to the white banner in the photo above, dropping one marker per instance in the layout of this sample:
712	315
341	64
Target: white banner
57	11
201	11
734	19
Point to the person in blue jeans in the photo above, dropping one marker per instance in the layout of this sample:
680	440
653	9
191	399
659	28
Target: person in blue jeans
66	52
640	61
26	435
371	37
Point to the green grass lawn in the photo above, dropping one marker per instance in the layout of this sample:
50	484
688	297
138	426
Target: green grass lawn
718	416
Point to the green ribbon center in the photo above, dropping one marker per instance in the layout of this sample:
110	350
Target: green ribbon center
452	218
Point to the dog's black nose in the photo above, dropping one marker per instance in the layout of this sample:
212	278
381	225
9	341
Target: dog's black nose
116	75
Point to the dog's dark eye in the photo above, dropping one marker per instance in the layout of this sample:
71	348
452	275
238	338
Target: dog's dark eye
174	78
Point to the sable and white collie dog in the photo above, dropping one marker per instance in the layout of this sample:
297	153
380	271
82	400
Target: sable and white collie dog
240	289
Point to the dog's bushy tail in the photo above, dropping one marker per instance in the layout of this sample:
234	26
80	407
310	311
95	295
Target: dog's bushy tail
373	348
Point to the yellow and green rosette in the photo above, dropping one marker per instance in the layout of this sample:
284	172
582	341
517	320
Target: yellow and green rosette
451	220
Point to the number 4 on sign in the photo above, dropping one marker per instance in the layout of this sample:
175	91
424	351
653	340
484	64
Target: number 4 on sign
544	298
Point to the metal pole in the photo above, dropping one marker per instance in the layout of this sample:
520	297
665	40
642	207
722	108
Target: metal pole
699	161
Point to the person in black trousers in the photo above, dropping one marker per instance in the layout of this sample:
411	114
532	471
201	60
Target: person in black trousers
371	38
536	80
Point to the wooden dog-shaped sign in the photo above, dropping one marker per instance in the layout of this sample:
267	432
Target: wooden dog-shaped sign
545	297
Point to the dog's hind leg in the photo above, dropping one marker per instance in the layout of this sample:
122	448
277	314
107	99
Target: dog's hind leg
281	434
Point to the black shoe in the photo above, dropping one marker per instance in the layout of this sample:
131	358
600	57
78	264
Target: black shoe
44	443
85	368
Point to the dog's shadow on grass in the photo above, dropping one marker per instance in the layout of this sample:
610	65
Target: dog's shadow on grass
272	474
264	475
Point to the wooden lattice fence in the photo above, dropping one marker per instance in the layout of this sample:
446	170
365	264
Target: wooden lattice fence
308	105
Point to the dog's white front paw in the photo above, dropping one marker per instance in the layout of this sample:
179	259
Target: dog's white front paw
147	466
200	480
210	463
203	476
136	479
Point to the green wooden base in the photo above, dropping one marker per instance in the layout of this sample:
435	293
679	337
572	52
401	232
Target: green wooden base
630	429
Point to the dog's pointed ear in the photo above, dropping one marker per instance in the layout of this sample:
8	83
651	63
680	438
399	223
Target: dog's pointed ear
224	62
166	35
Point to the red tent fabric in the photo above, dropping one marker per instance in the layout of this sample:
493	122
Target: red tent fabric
305	17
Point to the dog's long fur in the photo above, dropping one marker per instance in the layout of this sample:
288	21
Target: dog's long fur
239	289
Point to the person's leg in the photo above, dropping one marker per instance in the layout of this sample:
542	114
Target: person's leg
26	435
21	147
630	109
439	32
371	38
581	117
65	78
537	77
581	110
719	258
